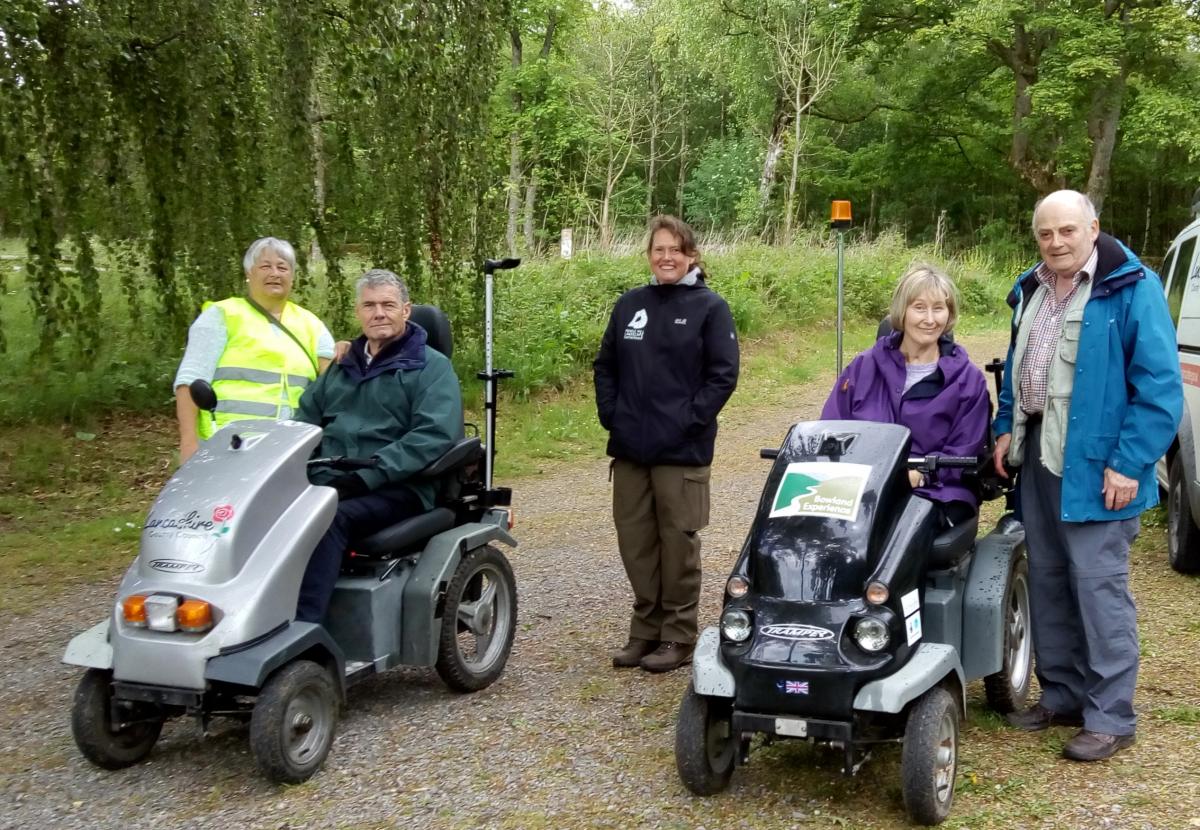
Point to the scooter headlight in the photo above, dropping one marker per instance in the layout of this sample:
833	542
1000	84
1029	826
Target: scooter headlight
736	625
160	612
871	634
737	586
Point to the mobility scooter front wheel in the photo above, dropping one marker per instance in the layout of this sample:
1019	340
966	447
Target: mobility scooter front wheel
101	742
705	748
929	760
292	725
1008	689
479	621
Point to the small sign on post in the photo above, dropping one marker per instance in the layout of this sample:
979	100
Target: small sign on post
565	243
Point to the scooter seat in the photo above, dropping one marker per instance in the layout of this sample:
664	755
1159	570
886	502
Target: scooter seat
406	536
953	543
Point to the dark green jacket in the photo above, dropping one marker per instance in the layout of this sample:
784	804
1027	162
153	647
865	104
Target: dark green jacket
405	409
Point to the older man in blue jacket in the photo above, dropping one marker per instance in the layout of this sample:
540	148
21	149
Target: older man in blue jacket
1091	399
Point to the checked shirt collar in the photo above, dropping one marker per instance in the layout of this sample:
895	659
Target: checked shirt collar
1045	333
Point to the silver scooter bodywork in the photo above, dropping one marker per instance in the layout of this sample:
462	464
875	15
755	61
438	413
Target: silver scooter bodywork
235	526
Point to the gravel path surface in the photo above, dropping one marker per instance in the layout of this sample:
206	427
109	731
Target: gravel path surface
563	739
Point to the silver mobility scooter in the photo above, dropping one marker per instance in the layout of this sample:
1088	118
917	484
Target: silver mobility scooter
203	622
850	620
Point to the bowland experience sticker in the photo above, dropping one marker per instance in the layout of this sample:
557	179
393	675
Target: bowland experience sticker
821	488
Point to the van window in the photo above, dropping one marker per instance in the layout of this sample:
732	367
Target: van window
1179	279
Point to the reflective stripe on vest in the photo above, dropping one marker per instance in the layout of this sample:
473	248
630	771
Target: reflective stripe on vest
261	368
251	408
257	376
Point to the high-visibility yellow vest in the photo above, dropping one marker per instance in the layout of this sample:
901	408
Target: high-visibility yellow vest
260	369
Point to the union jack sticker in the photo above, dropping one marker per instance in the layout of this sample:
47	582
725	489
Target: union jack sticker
793	687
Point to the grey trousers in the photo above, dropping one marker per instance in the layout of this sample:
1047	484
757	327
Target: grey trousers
1083	617
658	512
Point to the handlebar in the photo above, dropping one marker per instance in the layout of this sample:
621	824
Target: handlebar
341	462
929	463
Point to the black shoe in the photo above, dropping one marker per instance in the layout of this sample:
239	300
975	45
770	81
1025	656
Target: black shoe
668	657
1038	717
1095	746
633	652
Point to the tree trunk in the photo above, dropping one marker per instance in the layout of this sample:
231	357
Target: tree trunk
531	186
780	122
791	194
683	151
530	199
1022	59
1103	120
652	161
514	151
318	153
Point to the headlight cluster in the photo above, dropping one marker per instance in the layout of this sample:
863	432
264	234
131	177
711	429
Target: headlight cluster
871	634
737	586
167	612
736	625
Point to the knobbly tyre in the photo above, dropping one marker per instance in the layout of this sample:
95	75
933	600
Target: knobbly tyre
203	623
850	620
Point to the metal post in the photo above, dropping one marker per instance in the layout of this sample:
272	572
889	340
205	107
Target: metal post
491	376
490	383
839	220
840	299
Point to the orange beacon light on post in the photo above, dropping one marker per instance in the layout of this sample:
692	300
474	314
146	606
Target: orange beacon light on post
839	215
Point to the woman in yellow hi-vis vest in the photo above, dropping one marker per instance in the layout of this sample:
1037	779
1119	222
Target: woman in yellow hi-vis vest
259	351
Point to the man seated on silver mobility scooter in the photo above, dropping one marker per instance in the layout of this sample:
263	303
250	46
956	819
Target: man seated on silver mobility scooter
392	398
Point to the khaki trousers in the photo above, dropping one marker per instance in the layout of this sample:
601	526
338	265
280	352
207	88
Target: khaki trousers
658	512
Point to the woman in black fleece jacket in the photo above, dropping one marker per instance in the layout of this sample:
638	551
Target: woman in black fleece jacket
667	365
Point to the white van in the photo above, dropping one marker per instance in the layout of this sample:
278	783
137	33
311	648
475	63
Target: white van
1179	470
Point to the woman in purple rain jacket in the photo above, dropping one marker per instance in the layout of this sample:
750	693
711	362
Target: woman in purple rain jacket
918	377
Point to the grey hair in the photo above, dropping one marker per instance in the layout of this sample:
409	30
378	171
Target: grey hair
269	243
379	278
922	278
1084	205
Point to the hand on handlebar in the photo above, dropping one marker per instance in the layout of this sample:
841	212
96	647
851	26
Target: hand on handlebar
349	486
1001	452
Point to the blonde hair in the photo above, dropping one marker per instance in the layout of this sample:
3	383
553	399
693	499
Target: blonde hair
920	279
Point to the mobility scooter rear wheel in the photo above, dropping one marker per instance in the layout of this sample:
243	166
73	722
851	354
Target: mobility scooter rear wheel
93	730
293	722
1008	689
705	748
929	761
479	621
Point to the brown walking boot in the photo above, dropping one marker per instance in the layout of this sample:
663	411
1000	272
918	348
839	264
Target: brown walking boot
668	657
1095	746
632	652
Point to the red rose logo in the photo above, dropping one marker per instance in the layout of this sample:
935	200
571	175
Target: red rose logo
222	513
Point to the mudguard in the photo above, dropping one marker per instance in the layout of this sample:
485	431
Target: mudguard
709	675
423	593
983	603
929	666
252	665
91	649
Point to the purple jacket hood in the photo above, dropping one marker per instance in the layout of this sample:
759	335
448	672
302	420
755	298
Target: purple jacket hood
946	412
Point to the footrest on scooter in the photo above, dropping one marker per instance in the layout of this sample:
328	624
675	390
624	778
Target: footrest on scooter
790	726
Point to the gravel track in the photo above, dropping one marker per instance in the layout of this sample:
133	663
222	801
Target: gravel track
563	739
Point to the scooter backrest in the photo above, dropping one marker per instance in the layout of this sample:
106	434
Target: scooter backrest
437	325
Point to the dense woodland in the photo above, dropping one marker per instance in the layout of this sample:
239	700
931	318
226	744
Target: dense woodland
423	134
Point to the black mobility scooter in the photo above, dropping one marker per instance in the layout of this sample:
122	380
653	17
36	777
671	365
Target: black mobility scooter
851	619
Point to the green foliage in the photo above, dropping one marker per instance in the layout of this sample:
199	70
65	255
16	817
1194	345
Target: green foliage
725	170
